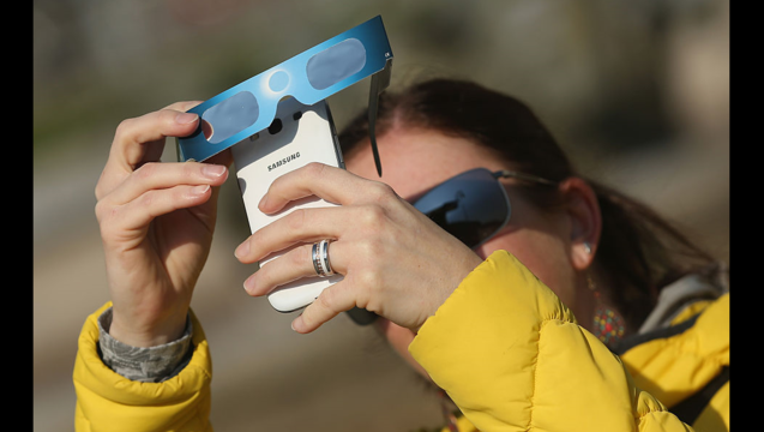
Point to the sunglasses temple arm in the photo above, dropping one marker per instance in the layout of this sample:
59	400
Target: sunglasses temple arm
526	177
379	82
372	124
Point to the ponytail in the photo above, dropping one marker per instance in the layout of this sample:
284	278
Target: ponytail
639	253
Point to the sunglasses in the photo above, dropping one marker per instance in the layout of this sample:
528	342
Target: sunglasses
472	206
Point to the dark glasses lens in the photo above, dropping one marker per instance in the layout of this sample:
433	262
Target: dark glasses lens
473	206
336	63
230	117
323	70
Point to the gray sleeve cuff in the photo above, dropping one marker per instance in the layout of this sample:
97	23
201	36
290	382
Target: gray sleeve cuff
152	364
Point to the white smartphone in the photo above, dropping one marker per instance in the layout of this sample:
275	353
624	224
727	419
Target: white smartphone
299	135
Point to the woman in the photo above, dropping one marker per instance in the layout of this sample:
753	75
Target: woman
518	322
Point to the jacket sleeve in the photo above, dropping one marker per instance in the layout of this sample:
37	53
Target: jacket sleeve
108	401
513	358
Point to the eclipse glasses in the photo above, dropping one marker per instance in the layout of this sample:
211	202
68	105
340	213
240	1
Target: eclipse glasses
309	77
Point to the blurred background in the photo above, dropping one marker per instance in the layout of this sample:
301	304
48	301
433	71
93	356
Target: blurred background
637	92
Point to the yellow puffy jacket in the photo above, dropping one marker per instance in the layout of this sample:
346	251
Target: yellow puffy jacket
503	347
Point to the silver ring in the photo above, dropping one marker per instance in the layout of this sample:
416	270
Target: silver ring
316	261
324	250
321	259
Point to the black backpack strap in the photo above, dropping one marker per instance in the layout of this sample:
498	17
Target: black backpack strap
689	409
664	333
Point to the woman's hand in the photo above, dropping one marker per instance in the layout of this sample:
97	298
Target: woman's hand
156	222
396	262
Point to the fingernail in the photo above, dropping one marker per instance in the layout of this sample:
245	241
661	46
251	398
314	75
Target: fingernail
262	203
185	118
197	191
249	285
213	171
295	325
242	250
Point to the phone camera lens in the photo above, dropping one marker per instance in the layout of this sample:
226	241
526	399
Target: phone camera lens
275	127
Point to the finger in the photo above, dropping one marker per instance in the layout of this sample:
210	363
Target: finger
154	150
182	105
332	301
133	134
137	214
166	175
224	158
334	185
295	264
140	140
299	226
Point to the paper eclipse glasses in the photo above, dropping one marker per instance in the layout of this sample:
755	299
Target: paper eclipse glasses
309	77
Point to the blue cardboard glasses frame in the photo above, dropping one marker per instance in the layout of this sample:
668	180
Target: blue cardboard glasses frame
250	107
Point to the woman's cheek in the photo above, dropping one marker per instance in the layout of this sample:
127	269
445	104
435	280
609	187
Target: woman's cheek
543	254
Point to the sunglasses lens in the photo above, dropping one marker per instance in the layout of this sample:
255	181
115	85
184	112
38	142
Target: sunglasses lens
230	117
472	206
336	63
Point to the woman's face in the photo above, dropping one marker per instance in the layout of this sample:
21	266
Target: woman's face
414	161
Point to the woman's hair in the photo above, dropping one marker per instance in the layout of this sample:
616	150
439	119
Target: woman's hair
638	253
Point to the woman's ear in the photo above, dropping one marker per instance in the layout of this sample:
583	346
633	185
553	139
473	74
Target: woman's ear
583	209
